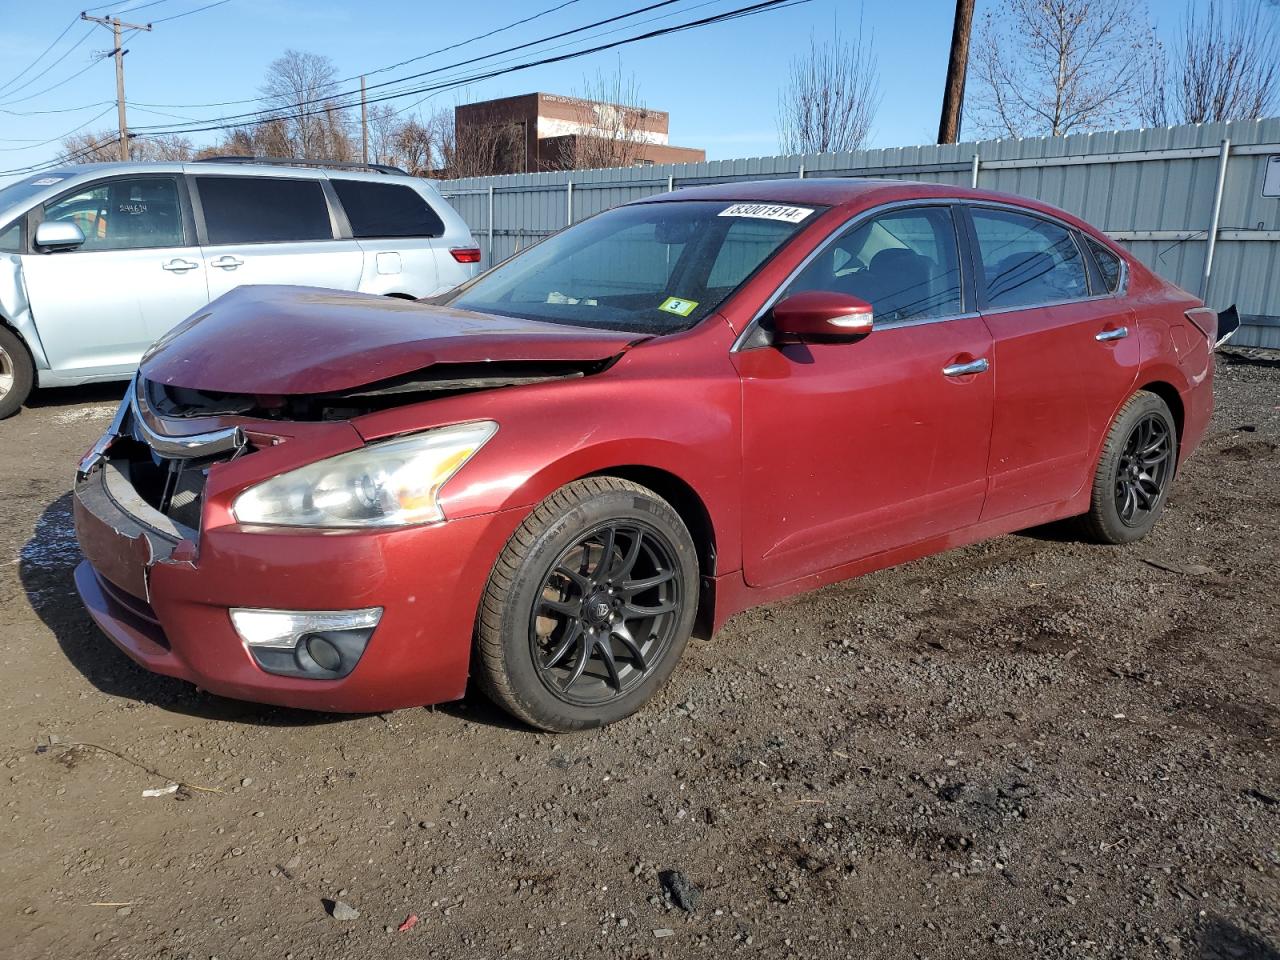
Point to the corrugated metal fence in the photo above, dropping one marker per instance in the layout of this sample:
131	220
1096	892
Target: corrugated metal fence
1199	204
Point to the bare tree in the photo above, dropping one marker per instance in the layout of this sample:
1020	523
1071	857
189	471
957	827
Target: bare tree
479	148
101	147
308	125
831	97
1054	67
612	124
1227	67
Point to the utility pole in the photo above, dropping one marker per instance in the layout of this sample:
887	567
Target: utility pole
957	66
364	125
116	25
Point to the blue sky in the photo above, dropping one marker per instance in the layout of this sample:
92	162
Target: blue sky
719	83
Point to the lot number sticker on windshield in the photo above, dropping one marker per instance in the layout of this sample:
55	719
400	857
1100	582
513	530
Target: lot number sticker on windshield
681	308
767	211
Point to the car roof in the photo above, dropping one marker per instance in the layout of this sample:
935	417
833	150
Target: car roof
91	170
852	194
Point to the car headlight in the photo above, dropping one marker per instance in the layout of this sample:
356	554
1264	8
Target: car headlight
390	483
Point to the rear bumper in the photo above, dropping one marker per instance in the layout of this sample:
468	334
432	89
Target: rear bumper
165	603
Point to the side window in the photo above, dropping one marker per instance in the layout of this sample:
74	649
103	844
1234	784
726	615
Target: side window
263	210
11	237
386	210
904	263
1026	260
1108	265
124	214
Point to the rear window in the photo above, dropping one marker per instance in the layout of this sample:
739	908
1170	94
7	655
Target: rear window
263	210
386	210
1108	265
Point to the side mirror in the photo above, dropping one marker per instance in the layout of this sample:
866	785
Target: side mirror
822	316
58	235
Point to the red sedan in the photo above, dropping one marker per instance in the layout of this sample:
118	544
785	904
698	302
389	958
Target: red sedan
656	418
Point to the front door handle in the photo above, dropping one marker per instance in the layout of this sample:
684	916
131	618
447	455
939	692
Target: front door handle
178	265
228	262
964	369
1116	333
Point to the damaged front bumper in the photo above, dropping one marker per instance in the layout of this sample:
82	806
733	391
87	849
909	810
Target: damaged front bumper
163	591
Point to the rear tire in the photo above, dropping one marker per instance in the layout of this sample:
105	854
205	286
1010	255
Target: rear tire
589	606
17	373
1135	471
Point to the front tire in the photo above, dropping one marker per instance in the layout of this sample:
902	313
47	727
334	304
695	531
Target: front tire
589	606
17	373
1135	471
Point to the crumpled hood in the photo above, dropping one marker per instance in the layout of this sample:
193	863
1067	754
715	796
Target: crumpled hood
287	341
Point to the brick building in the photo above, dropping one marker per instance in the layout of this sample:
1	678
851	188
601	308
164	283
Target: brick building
544	131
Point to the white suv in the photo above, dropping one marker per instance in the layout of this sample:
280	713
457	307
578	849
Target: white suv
99	260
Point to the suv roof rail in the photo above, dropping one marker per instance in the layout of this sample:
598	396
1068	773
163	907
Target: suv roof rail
299	162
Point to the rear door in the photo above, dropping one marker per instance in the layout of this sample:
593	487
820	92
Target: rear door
856	448
139	272
1063	354
399	232
272	230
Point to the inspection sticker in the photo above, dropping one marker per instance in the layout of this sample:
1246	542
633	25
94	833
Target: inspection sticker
46	181
767	211
681	308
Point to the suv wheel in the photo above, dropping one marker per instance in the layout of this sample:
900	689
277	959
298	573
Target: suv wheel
589	607
17	373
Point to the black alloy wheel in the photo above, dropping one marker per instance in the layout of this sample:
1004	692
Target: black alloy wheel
1143	470
1135	471
588	607
608	609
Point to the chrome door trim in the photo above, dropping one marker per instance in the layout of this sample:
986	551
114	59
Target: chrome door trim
1119	333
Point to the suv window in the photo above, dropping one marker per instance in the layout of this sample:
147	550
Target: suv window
386	210
263	210
11	237
1108	265
1026	260
123	214
904	263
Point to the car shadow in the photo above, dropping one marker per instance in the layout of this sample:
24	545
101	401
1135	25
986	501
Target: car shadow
45	568
85	393
1223	940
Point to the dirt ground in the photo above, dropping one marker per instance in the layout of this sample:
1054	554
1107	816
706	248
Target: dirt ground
1033	747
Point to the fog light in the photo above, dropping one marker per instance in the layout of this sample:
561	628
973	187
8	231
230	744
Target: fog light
324	653
320	644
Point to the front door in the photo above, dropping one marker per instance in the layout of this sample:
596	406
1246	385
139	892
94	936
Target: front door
1064	355
853	449
273	230
139	272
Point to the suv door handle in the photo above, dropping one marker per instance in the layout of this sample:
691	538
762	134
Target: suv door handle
178	265
964	369
228	262
1116	333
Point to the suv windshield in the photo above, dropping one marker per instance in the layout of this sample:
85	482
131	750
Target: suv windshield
649	268
18	191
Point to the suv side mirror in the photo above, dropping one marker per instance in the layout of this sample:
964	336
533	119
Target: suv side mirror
822	316
55	235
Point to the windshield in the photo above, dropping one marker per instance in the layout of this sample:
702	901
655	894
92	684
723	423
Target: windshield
15	193
646	268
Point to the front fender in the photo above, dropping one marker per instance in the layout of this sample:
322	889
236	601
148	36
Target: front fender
15	308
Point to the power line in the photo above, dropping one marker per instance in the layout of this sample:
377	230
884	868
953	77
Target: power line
61	83
179	16
18	75
45	71
425	73
61	136
749	10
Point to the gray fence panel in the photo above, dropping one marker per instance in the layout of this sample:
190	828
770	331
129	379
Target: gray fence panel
1153	190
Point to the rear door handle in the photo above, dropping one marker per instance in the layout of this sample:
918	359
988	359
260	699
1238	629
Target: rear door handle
1117	333
178	265
964	369
228	262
